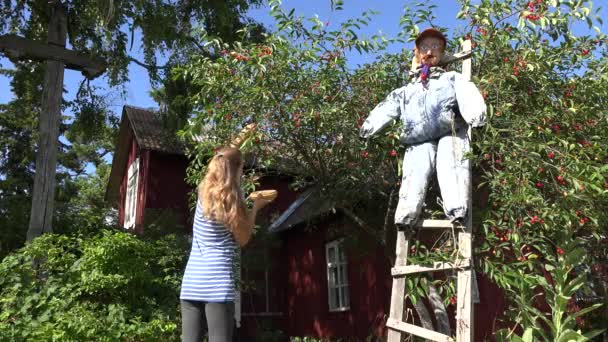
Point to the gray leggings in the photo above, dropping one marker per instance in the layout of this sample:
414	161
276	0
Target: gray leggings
219	318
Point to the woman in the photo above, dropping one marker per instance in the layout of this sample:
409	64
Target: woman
220	222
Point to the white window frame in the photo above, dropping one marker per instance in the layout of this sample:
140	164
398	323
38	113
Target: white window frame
337	277
131	194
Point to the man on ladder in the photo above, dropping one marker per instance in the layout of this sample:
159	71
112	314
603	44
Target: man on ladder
436	109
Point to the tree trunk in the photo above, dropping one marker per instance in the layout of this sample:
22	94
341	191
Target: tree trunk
389	230
41	216
441	315
424	315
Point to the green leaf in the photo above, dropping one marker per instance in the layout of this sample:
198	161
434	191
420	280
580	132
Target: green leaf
528	335
569	335
572	317
593	333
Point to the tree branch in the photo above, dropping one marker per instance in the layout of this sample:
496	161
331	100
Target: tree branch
150	67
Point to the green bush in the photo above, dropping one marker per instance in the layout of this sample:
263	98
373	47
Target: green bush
106	287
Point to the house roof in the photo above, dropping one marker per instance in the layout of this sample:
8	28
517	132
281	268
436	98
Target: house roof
150	134
307	206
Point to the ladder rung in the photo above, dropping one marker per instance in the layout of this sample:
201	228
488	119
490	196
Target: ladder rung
438	266
438	224
416	330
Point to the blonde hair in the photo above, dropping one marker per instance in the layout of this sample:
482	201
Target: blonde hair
220	189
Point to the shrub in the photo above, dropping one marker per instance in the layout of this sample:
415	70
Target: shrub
106	287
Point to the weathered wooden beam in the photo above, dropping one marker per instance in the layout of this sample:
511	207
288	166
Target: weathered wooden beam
438	224
19	48
398	271
465	330
464	298
398	325
462	55
398	292
43	194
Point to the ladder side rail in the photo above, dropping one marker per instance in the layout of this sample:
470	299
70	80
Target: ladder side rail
398	291
464	298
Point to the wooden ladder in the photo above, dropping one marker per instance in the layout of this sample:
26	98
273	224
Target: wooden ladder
466	283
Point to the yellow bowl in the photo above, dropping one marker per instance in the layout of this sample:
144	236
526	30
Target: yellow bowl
268	195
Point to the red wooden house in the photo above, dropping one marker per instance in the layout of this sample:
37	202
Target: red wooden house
311	283
148	171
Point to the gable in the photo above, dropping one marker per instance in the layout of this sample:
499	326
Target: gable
144	128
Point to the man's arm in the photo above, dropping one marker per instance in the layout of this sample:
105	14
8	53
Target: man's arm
385	112
470	101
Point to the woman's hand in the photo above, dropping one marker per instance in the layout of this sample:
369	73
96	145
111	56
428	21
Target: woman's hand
260	199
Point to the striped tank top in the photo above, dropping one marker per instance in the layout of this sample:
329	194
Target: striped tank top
209	274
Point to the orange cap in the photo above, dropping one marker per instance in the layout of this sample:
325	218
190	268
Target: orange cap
431	32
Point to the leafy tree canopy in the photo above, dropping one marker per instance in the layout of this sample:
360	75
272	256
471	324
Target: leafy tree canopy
540	162
104	29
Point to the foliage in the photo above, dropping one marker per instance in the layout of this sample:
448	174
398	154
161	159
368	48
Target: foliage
306	102
104	287
17	122
540	159
559	284
87	137
88	210
102	29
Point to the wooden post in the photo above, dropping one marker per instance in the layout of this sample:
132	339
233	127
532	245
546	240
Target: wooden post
398	291
464	298
41	217
57	58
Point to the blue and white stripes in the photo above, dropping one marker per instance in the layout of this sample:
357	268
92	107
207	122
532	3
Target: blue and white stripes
209	274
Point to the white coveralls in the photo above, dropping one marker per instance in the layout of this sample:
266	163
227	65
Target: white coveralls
435	115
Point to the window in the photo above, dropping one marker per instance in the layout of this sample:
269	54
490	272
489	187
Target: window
262	294
337	276
131	198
